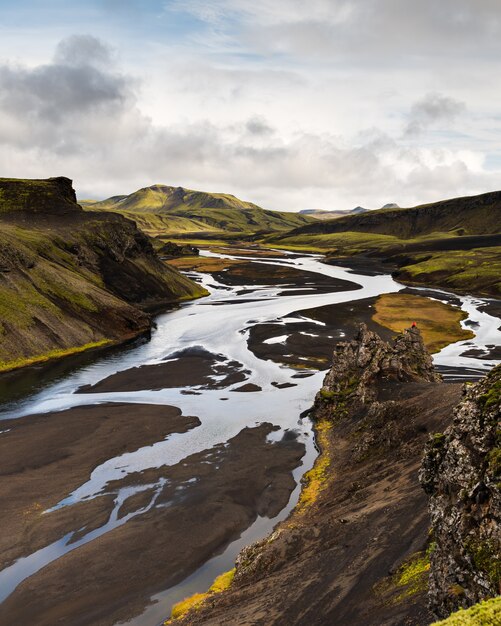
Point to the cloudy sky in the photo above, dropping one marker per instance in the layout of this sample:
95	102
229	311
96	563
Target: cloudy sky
290	104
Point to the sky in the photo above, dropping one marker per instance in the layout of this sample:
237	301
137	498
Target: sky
325	104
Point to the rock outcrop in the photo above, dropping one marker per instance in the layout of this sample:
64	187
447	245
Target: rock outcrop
359	364
171	249
51	196
461	473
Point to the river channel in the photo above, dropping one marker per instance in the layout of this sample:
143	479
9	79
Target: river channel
241	392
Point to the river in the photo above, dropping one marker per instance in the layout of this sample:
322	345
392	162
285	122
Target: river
220	324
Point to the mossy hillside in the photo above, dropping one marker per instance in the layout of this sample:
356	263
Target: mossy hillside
487	613
49	196
476	215
67	282
478	270
439	323
163	209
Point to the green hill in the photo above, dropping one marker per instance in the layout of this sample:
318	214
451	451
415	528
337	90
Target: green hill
473	215
454	243
71	280
164	210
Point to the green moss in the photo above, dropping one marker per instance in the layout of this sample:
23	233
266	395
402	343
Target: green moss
487	613
492	397
6	366
486	559
438	440
410	579
195	602
315	480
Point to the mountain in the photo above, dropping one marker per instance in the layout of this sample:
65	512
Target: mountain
454	243
321	214
72	280
390	205
475	215
164	210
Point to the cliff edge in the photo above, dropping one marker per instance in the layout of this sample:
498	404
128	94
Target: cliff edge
70	279
461	473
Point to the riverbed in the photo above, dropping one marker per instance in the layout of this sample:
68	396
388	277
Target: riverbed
216	445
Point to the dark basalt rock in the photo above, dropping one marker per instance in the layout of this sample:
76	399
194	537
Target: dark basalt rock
51	196
171	249
461	473
358	365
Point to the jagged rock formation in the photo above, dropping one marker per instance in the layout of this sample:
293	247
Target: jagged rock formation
170	249
461	473
362	515
70	278
358	364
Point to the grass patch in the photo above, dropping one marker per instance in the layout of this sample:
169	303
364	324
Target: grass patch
410	579
194	602
6	366
201	264
485	613
440	324
315	480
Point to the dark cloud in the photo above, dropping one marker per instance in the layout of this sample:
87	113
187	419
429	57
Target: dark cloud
258	126
80	83
432	109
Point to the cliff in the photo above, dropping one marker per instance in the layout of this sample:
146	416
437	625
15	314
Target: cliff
461	473
71	280
354	550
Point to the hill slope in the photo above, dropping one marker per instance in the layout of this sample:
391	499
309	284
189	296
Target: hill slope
71	280
164	210
454	244
474	215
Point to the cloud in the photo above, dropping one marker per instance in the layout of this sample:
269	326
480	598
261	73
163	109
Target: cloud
79	115
432	109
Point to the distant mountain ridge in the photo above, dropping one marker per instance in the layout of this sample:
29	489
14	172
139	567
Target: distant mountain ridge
321	214
169	209
471	215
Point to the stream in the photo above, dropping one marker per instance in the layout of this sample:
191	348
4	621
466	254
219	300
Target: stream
220	324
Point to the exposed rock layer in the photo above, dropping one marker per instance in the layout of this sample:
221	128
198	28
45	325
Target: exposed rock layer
461	473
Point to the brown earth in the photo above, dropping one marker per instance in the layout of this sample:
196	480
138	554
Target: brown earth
45	457
330	562
303	350
189	368
200	509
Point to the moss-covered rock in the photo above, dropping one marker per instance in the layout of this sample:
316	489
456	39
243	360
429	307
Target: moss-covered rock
461	475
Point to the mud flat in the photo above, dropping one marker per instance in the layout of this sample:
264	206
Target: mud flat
112	577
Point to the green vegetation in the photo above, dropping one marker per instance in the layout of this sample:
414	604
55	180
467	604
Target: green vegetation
439	323
315	480
478	269
69	280
410	579
195	601
486	560
164	210
485	613
52	354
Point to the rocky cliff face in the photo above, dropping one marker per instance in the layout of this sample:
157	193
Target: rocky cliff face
52	196
358	365
461	473
71	278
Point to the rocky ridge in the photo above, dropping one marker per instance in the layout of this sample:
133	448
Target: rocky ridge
461	473
71	279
